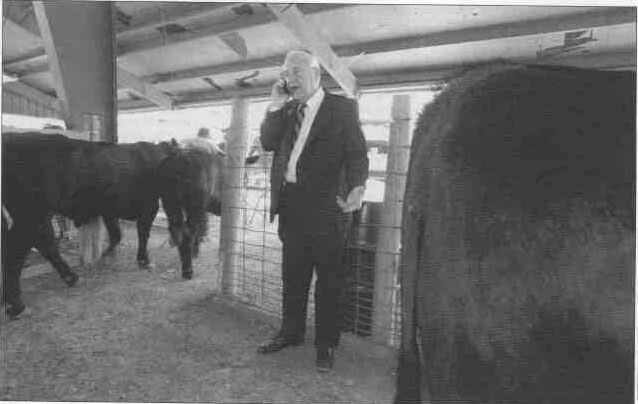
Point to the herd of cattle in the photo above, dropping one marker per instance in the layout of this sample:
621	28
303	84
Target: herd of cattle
518	247
46	174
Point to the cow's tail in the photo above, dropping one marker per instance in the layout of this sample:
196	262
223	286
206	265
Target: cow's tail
409	375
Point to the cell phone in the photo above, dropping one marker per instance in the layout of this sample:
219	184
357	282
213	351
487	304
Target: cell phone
285	86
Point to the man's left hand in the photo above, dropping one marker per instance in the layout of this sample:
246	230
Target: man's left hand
354	201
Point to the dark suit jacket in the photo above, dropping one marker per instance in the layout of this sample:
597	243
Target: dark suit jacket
334	159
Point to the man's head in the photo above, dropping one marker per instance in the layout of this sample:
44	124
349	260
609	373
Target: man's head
203	133
302	73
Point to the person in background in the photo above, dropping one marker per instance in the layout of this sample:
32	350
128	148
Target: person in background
317	179
202	141
203	133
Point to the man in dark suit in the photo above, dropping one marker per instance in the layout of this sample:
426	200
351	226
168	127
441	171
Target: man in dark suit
320	158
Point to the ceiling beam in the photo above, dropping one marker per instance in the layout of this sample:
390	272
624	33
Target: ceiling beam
35	57
308	35
183	12
248	65
605	17
240	22
56	71
32	93
599	18
124	78
143	89
32	71
625	60
22	16
21	13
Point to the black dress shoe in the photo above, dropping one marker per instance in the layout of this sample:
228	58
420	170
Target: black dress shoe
279	343
325	359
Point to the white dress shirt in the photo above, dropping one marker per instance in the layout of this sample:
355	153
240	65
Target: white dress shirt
312	106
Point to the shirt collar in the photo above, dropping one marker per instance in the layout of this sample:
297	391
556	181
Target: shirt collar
314	101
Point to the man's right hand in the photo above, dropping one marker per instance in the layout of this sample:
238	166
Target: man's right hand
278	96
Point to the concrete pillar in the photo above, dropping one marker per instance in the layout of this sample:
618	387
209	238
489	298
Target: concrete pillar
236	149
80	43
388	247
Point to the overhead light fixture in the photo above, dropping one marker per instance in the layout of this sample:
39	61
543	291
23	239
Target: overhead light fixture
8	78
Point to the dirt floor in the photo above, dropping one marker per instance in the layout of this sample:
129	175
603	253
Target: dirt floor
126	334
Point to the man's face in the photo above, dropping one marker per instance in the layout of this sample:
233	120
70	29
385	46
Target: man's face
302	79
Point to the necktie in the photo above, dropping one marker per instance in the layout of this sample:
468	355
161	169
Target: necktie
299	115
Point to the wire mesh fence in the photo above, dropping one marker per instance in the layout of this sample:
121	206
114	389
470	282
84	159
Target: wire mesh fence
256	269
371	296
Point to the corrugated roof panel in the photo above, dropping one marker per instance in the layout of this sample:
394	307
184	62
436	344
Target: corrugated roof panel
179	56
608	39
374	22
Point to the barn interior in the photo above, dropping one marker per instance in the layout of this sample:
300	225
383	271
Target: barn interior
128	71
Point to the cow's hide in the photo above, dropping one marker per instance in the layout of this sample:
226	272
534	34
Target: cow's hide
517	269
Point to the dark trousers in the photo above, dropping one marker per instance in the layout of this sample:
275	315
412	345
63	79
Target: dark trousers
318	249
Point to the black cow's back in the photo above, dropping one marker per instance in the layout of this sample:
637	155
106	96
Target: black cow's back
126	178
79	179
518	247
41	172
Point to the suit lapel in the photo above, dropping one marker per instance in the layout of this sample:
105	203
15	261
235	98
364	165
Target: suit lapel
322	117
289	135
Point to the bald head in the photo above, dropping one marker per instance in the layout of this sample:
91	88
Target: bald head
302	73
301	57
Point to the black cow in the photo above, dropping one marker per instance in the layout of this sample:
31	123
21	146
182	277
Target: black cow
37	182
123	184
192	188
46	174
518	267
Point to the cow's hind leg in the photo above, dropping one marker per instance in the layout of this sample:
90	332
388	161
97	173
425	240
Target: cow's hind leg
185	253
112	225
144	223
15	249
47	246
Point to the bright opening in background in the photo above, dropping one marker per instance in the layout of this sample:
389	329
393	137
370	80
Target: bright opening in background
17	121
374	110
158	126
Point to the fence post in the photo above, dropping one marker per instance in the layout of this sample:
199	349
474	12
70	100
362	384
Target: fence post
388	247
236	147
